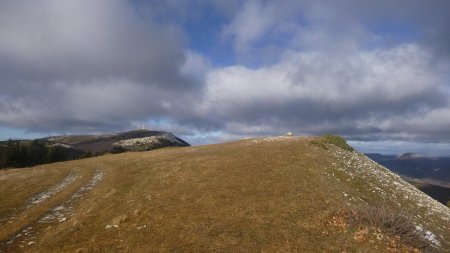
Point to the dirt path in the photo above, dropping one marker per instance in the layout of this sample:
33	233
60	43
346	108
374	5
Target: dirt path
38	199
35	200
52	206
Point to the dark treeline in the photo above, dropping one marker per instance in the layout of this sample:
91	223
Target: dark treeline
18	154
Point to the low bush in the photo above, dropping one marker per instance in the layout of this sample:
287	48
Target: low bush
390	223
337	141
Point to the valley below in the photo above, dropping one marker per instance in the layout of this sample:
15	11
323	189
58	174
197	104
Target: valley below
429	174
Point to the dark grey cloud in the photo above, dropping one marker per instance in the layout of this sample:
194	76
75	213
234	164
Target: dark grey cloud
74	65
379	94
84	40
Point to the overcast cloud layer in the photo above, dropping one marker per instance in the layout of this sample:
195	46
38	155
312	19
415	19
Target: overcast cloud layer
209	71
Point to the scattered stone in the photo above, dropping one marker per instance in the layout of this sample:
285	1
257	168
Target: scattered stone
428	235
31	243
62	219
111	226
141	227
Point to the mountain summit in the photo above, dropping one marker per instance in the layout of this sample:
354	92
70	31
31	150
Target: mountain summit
275	194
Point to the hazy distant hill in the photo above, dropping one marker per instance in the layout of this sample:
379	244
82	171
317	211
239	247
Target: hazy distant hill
25	153
416	166
275	194
430	174
138	140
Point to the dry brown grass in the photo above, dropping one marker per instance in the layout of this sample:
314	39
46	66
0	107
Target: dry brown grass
395	232
391	223
17	185
247	196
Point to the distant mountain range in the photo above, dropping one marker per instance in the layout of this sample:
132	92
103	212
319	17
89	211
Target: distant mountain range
26	153
137	140
430	174
416	166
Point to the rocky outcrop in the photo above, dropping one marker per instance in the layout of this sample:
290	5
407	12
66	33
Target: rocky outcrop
152	142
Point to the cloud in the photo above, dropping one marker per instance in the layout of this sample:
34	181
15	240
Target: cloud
84	40
432	125
369	71
338	25
250	24
316	93
69	64
196	65
420	21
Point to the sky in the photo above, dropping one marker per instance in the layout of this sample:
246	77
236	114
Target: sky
375	72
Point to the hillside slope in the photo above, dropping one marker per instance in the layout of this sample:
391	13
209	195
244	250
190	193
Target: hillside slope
137	140
430	174
27	153
278	194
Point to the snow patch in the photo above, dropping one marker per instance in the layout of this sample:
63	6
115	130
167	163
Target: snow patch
428	235
53	190
58	214
61	212
151	140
